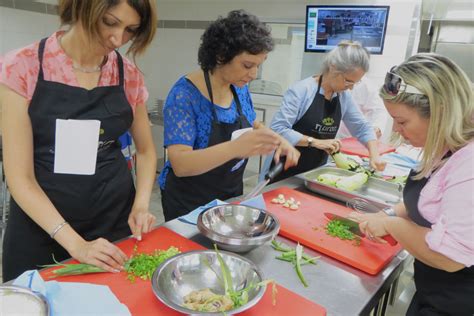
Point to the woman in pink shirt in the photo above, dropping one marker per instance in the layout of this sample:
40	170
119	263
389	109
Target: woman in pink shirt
73	92
431	102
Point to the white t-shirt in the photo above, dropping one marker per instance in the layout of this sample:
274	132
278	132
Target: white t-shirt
366	96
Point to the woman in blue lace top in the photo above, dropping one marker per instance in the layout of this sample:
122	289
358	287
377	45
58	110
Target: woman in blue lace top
207	109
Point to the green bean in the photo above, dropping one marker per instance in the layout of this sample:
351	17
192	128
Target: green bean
296	256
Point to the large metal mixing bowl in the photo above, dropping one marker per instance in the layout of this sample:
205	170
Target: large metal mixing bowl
196	270
238	228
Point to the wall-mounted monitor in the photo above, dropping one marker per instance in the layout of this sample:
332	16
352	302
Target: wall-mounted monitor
327	25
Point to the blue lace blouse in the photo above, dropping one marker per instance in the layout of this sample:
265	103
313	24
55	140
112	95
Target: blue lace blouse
188	116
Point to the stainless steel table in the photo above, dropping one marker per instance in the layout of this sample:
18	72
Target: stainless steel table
341	289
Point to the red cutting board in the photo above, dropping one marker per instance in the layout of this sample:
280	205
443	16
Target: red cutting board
141	300
306	226
352	146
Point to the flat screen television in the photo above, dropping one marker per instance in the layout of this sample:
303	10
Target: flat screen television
327	25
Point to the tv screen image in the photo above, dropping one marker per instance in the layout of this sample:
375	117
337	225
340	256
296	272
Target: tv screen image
327	25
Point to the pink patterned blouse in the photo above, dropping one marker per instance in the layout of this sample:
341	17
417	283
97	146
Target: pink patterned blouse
20	68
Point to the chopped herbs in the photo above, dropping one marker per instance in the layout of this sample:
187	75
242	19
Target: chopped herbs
143	265
338	229
140	265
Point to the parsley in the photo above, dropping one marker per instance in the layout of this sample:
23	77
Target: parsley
143	265
338	229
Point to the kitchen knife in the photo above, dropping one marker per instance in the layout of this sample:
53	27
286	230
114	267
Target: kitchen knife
354	227
271	174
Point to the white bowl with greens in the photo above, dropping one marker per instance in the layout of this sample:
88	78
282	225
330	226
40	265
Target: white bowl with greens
206	282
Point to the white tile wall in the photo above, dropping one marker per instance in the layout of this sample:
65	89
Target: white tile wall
174	51
20	28
172	54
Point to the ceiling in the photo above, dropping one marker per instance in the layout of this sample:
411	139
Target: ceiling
439	9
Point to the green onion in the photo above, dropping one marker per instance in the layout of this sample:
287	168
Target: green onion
299	253
338	229
240	297
143	265
226	276
139	265
296	256
71	269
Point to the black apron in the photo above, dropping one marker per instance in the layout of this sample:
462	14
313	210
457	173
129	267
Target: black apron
437	292
320	121
184	194
94	205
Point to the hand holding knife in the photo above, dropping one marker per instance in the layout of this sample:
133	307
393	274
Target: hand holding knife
354	227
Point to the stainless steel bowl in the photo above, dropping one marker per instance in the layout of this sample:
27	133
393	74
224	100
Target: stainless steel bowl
238	228
16	300
195	270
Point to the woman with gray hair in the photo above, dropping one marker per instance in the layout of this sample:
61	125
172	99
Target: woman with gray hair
431	102
313	108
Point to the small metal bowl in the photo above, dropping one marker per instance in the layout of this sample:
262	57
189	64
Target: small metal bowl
196	270
17	300
238	228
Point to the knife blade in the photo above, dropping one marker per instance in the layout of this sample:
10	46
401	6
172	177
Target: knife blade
354	227
271	174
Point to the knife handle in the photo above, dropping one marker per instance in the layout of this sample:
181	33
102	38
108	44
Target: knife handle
276	169
391	241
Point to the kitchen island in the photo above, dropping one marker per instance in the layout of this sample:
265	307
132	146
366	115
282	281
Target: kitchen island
341	289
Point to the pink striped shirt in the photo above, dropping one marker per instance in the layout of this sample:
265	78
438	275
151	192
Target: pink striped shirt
447	202
20	71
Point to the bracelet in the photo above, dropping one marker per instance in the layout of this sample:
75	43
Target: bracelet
58	228
389	211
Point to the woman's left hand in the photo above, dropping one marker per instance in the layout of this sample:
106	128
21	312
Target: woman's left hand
377	163
291	153
140	222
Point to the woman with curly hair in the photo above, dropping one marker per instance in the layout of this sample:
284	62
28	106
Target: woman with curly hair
203	110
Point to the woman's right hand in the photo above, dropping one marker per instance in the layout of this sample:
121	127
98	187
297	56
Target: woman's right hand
330	146
257	142
100	253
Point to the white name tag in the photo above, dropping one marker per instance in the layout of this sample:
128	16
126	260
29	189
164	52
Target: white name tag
76	146
236	134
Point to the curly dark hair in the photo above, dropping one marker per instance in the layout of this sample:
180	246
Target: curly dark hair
227	37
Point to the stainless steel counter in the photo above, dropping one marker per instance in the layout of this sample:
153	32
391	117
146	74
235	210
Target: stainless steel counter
341	289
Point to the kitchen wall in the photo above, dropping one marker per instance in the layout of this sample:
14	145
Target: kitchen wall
174	51
22	27
283	15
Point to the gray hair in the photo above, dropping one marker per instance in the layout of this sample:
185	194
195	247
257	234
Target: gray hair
347	57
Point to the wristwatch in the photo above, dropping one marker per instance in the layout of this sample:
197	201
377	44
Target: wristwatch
310	141
389	211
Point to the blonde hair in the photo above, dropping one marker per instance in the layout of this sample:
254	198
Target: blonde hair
447	101
90	12
347	57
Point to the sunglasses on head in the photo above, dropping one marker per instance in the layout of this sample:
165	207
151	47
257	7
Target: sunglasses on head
394	85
